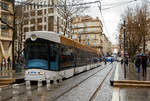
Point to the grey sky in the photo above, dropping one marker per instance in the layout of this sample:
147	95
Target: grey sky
112	17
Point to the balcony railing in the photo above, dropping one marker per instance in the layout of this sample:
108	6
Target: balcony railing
6	35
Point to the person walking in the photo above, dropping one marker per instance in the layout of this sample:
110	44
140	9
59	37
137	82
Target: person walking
126	61
3	64
137	64
144	64
8	63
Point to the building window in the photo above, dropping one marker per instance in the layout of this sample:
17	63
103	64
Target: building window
95	36
44	19
26	22
39	20
45	27
39	27
39	12
45	11
4	6
50	10
88	36
34	6
4	27
32	21
27	7
50	23
26	14
94	44
52	2
26	29
4	18
32	13
32	28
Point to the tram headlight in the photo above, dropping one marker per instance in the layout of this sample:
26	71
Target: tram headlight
33	37
27	72
41	73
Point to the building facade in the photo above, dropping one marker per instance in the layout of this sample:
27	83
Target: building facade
42	15
6	29
88	31
106	45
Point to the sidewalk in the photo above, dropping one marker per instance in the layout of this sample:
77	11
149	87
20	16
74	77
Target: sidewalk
19	76
131	88
132	74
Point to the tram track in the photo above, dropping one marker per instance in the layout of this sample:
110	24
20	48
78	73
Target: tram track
93	96
100	86
35	87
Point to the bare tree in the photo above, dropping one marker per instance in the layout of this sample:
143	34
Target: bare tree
71	8
136	29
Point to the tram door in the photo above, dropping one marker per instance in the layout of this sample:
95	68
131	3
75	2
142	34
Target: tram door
54	59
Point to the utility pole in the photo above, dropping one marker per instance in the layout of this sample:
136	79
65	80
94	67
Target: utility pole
13	38
124	33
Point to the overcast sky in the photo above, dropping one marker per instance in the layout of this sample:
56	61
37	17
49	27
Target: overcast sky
112	17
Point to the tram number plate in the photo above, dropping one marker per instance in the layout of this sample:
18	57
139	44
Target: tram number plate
33	73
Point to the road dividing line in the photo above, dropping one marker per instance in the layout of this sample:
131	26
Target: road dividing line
116	94
116	73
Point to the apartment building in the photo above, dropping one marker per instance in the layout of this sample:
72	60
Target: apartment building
106	45
88	31
42	15
6	28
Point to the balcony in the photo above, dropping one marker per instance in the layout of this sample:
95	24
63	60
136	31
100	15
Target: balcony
5	36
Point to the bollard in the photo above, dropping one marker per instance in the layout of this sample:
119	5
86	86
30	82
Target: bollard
39	83
28	95
60	81
15	92
55	81
28	85
48	84
39	91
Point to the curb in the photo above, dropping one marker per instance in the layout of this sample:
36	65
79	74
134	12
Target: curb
131	83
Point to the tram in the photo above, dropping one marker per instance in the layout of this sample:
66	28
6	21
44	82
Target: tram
49	55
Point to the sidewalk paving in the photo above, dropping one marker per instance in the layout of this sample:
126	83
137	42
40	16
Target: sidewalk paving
12	74
133	88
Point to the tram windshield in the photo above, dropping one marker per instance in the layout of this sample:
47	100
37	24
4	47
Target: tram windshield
37	54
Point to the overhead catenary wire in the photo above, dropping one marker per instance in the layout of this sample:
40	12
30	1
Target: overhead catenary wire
116	3
113	6
59	5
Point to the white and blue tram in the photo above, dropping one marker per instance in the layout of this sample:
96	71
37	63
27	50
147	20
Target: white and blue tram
49	55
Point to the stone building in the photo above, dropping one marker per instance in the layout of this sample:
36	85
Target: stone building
42	15
88	31
106	45
6	28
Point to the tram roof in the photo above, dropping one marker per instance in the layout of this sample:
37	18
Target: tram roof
58	38
47	35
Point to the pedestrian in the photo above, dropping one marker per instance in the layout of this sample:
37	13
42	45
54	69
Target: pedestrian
3	64
105	61
138	63
144	64
126	61
9	63
111	60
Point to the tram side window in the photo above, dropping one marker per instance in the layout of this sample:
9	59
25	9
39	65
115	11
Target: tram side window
53	51
66	56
